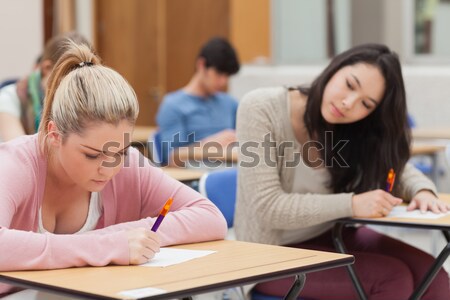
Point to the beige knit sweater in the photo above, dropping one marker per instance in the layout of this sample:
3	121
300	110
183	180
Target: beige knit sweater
265	205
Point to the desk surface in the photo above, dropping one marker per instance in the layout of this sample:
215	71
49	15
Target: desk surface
142	133
431	133
211	153
183	175
426	149
198	154
441	223
234	263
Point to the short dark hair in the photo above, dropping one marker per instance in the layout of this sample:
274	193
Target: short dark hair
220	54
376	143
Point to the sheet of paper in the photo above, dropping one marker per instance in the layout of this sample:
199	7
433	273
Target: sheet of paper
400	212
139	293
171	256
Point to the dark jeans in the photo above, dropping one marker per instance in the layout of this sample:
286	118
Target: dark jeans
387	268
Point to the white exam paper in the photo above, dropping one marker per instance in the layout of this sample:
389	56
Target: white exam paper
400	212
143	292
171	256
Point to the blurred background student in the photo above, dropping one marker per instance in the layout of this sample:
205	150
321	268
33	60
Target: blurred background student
201	111
21	102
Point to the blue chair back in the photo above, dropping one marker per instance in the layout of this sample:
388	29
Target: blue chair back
411	121
159	151
421	163
220	187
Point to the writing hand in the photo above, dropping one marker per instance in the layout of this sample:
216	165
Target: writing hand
143	244
374	204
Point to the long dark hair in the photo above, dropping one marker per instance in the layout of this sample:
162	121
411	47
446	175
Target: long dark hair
377	143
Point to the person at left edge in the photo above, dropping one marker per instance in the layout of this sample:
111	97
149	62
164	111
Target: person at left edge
85	197
21	102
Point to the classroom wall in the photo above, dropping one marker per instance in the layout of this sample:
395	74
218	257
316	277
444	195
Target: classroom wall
427	87
250	25
441	42
21	31
291	43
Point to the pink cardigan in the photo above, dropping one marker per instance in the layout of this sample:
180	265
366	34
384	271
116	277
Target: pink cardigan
133	198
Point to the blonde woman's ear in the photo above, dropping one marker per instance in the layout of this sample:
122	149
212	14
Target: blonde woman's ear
53	135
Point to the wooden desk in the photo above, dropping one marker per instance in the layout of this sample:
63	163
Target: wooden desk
426	149
235	263
431	133
183	175
442	224
205	156
417	148
141	134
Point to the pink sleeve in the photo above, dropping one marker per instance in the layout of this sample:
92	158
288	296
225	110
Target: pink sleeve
25	250
192	218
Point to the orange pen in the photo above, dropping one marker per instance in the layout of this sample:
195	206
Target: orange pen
390	180
162	214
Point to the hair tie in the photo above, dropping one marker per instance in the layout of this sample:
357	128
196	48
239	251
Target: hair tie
85	63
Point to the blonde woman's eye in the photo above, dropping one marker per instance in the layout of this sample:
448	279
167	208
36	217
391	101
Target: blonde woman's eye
89	156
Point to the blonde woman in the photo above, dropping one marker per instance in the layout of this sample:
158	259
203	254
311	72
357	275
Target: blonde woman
77	194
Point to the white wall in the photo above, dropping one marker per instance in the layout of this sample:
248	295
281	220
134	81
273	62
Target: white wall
21	32
298	33
427	87
440	26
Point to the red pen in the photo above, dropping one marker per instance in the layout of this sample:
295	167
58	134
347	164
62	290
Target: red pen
390	180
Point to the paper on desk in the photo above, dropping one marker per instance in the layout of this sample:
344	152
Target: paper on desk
171	256
140	293
400	212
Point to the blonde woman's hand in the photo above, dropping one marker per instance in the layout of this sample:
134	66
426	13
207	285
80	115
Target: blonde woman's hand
373	204
143	244
425	200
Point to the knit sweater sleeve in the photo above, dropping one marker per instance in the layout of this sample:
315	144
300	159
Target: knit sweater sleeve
261	197
412	181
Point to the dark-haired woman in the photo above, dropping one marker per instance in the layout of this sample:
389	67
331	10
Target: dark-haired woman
311	155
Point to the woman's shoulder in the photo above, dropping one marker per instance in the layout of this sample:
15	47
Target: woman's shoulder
21	163
264	95
23	149
264	100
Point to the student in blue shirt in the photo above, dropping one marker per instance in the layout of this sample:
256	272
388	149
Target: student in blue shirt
201	111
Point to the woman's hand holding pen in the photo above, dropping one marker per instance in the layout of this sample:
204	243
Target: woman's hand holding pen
144	244
425	200
373	204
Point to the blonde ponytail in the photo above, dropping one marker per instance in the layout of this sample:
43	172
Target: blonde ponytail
81	90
